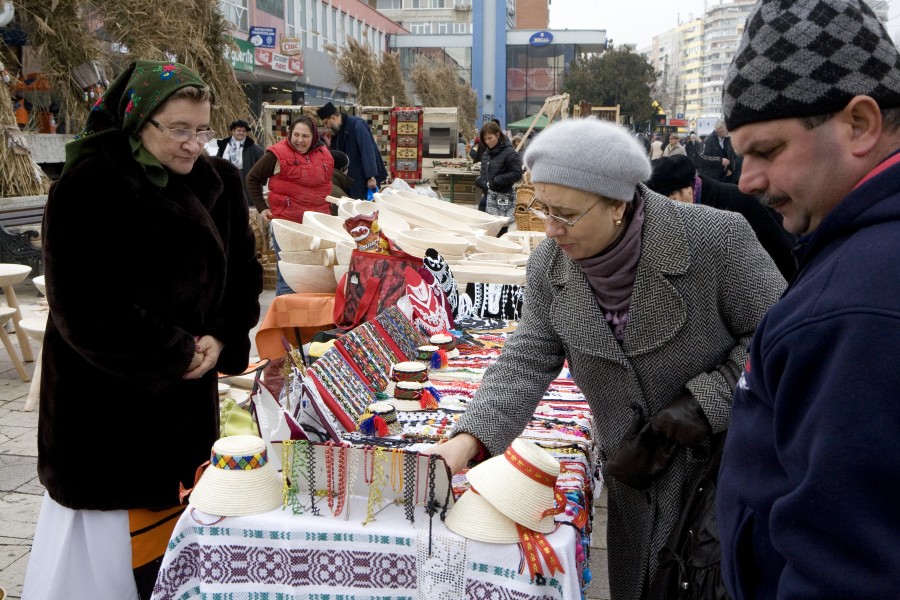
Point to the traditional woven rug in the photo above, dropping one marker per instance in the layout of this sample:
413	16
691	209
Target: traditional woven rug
406	143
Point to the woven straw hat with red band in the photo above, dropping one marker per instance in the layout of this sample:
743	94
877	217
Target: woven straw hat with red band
521	484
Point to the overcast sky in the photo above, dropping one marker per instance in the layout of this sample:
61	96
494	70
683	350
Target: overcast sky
637	21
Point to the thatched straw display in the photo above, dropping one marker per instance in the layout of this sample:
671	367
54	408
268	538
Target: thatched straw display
66	34
19	175
358	66
194	32
59	32
440	85
393	90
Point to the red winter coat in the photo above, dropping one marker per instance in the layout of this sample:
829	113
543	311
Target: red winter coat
302	183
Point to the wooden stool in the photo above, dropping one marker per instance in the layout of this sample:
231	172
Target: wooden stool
10	275
34	327
7	313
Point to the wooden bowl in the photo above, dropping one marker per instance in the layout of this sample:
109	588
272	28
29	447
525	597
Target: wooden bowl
445	243
328	227
308	279
323	257
294	237
491	244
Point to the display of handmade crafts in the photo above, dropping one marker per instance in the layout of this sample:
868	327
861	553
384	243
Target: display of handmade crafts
428	309
385	398
367	234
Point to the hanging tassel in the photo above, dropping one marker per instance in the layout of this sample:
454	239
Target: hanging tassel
382	396
367	424
427	401
439	360
433	391
381	426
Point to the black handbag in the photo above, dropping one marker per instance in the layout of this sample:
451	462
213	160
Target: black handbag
689	563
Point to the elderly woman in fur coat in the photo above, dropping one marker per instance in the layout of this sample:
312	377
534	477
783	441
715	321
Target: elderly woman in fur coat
153	287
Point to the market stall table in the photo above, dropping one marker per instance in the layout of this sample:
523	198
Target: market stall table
297	317
285	556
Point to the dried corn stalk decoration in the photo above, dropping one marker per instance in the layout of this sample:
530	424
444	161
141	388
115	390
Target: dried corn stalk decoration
441	85
375	78
19	174
65	36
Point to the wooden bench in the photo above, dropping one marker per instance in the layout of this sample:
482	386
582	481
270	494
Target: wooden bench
20	223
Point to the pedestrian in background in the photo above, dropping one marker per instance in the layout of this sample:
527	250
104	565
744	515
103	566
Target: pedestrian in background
804	504
674	147
240	149
298	170
676	177
501	168
352	136
717	157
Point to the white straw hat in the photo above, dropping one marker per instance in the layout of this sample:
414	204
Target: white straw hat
521	484
474	517
239	479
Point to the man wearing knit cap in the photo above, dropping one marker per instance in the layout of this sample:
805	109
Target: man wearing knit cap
352	136
812	100
651	304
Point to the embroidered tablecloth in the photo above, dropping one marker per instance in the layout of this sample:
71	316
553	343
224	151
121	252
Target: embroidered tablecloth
278	555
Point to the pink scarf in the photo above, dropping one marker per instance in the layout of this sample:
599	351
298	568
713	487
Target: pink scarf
611	273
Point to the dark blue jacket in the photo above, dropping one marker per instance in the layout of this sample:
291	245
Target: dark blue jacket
807	506
356	141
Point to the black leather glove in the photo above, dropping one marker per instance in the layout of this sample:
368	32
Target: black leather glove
682	421
642	455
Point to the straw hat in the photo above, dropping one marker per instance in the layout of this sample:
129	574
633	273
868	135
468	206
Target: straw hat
474	517
520	483
239	479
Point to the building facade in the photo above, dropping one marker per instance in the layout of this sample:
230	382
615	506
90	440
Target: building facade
279	54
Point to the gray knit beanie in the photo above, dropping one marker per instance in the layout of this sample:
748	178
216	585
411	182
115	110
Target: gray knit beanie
591	155
803	58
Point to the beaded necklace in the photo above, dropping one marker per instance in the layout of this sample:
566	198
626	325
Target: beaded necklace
341	492
376	495
410	468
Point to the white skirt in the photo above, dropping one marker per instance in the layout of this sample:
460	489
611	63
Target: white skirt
80	554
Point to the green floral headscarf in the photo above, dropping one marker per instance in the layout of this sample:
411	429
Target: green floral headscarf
124	108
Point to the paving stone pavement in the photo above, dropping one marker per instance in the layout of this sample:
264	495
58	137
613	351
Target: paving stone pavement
21	492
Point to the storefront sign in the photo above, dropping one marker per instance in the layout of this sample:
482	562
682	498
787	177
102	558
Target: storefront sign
541	38
678	122
279	62
240	55
290	46
262	37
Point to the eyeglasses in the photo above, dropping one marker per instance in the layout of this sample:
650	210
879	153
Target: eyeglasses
184	135
545	215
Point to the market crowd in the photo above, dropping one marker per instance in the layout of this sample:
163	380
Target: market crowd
728	307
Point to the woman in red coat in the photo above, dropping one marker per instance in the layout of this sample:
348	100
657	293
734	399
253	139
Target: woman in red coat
298	170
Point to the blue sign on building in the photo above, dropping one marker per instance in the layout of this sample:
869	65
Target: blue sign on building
541	38
262	37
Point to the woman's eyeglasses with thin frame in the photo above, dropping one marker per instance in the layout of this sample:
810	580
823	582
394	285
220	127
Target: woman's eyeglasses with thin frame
184	135
545	215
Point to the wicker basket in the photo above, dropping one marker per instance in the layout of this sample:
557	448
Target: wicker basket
267	257
269	264
525	220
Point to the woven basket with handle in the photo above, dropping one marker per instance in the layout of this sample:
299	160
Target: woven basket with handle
525	220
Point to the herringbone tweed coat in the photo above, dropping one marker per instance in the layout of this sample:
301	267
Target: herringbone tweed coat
703	282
